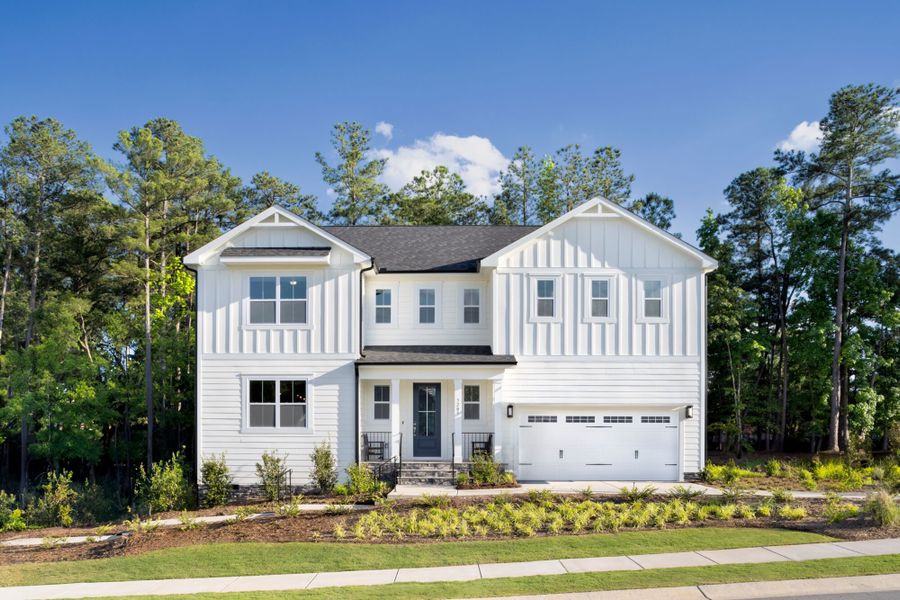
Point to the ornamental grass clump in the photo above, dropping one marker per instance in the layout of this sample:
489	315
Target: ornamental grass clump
882	508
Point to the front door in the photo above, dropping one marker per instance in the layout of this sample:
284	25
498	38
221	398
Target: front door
426	419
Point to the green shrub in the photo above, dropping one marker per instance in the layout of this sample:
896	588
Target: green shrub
216	480
792	513
782	496
361	479
765	509
807	479
96	503
462	479
485	471
167	488
635	494
324	468
434	501
341	489
54	507
272	474
774	468
837	511
731	494
11	518
883	509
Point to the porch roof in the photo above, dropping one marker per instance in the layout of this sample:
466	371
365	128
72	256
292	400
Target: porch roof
433	355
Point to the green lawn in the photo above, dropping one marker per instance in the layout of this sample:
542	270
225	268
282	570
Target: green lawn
213	560
582	582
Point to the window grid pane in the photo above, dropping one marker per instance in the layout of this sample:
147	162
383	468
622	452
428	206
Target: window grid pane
652	308
293	311
382	297
544	307
293	288
426	314
545	288
470	315
262	288
382	314
262	311
653	289
599	308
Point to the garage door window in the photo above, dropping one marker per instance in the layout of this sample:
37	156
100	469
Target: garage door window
617	419
542	418
579	419
655	419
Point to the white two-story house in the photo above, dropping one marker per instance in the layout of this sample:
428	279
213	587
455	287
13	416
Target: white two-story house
571	351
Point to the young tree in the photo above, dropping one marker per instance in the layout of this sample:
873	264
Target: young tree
266	190
359	196
436	197
550	203
859	134
519	186
607	176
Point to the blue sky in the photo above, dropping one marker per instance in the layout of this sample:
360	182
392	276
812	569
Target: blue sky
693	93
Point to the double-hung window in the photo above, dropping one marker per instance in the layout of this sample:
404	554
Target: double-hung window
383	306
600	298
653	299
427	306
545	290
278	300
471	402
472	306
382	402
276	403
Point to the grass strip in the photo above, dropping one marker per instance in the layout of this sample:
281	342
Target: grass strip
216	560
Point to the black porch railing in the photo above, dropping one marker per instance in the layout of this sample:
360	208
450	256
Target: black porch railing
375	449
477	443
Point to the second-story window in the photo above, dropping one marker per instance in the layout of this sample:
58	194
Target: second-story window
472	306
278	300
546	298
427	306
652	298
383	306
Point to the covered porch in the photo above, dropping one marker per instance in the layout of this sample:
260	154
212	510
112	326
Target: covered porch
430	404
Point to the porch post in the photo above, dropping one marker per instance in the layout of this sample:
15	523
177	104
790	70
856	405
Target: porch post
457	420
395	418
499	420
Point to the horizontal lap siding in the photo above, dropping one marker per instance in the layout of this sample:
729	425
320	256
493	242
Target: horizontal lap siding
332	390
613	383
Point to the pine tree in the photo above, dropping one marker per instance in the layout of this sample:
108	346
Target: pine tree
359	196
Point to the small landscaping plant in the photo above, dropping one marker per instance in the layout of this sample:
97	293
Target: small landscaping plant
166	488
11	518
272	475
485	473
882	509
55	506
682	492
782	496
324	468
216	480
792	513
633	493
837	511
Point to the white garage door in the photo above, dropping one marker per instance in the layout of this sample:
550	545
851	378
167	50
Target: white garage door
556	444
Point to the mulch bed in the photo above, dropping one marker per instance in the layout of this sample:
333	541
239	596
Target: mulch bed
315	527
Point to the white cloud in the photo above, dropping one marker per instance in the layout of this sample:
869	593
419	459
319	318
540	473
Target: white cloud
474	158
384	128
805	136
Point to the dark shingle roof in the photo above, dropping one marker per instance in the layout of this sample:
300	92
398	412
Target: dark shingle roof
433	355
422	248
310	251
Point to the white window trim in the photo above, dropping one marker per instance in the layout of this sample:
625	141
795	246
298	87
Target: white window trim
665	292
395	306
376	403
462	306
481	410
246	429
557	298
587	297
438	315
310	308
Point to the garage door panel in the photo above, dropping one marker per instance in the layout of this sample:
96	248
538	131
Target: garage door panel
598	444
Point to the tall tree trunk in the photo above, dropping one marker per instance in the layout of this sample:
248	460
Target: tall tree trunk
835	399
29	333
148	344
4	287
783	363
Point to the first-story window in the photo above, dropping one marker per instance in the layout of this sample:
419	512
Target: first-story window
278	300
383	306
652	298
472	306
472	402
382	402
427	305
546	297
277	403
599	298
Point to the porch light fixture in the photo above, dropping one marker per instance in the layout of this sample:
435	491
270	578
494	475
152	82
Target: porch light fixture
689	411
509	411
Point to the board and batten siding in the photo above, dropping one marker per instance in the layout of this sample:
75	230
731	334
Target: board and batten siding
611	247
449	328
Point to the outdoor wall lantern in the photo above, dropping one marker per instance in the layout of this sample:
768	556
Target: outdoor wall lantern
509	411
689	411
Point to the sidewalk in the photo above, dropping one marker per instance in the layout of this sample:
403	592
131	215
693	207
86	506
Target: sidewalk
300	581
791	588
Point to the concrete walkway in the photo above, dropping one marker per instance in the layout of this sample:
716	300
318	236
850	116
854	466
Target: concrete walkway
599	488
205	520
830	587
300	581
